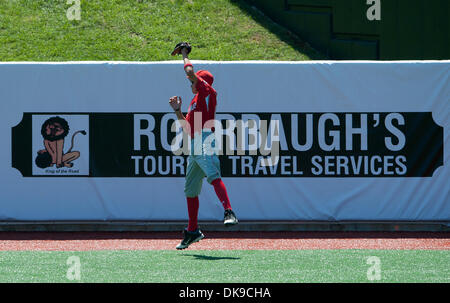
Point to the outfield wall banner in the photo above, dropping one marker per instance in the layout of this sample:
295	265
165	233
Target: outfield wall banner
316	141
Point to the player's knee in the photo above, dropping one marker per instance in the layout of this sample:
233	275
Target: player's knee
213	178
215	181
191	192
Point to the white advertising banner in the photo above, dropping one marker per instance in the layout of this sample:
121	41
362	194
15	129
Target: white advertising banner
308	141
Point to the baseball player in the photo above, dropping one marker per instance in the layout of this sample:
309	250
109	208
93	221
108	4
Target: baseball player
200	162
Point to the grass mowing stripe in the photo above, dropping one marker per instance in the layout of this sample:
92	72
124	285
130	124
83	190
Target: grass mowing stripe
227	266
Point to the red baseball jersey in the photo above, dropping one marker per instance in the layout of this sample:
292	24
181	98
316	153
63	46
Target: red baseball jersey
204	102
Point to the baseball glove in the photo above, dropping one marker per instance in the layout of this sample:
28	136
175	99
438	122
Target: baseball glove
180	46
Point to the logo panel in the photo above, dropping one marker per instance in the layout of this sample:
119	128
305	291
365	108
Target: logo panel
60	145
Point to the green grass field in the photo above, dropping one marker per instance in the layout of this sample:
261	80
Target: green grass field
227	266
143	30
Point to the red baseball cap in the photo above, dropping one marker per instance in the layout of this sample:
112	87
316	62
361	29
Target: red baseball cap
205	75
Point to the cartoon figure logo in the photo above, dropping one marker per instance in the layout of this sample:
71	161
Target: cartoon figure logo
54	131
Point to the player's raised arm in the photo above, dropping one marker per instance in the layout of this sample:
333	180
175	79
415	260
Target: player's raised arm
188	67
184	48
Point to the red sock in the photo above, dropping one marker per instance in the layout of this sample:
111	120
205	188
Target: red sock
221	193
193	205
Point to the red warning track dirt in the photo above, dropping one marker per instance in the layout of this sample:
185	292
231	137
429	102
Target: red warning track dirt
85	241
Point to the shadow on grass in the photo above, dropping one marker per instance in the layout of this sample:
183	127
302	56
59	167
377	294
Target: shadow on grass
281	32
211	258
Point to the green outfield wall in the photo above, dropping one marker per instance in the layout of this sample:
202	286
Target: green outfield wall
367	29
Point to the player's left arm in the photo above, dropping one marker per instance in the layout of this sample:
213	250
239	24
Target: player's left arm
188	67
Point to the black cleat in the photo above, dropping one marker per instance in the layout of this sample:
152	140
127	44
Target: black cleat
190	237
230	218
